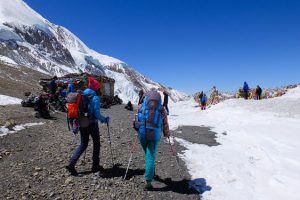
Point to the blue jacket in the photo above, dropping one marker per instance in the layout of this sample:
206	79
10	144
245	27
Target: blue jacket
53	86
71	87
246	87
204	99
94	107
63	92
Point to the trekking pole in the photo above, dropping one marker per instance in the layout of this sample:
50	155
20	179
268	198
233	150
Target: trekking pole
131	154
174	154
111	153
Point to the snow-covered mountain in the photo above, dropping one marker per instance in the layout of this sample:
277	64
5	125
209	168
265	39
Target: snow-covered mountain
28	39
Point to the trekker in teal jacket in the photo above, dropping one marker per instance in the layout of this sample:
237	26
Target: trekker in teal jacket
152	118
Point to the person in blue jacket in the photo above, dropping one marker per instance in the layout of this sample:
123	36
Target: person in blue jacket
53	85
246	90
203	102
71	87
91	129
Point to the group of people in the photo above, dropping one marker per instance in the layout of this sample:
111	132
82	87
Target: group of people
256	93
214	98
52	97
61	90
203	99
151	119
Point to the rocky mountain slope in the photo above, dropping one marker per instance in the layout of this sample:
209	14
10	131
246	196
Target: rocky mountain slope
28	39
14	80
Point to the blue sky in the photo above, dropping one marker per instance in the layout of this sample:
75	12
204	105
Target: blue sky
190	45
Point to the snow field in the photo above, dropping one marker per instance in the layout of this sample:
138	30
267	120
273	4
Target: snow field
259	155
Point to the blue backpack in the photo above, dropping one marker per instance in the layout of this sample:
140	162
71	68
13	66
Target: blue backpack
150	117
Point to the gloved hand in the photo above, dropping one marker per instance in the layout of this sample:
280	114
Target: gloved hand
107	120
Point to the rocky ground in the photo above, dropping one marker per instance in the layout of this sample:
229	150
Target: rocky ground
32	161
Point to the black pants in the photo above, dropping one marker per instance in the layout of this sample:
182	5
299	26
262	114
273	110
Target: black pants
246	94
92	130
259	96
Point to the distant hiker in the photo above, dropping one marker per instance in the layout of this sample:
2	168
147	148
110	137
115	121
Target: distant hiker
214	91
166	101
258	92
41	105
30	101
141	95
53	85
200	96
152	118
203	102
129	106
89	126
240	92
71	87
63	91
246	90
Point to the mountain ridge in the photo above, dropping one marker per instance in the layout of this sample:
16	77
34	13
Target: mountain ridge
30	40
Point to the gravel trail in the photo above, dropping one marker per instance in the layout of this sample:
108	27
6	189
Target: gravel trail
32	162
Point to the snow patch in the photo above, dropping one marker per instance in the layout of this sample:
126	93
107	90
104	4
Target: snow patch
6	100
5	59
4	131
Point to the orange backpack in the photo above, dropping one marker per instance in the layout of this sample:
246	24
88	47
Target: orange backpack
73	100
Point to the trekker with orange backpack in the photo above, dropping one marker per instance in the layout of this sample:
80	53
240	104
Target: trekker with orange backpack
88	107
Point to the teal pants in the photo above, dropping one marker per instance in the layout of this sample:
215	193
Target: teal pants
149	148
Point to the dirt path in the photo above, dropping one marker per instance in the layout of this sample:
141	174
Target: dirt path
32	162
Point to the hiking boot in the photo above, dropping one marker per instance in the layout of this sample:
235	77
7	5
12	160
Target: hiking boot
156	177
99	174
148	186
97	169
72	170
